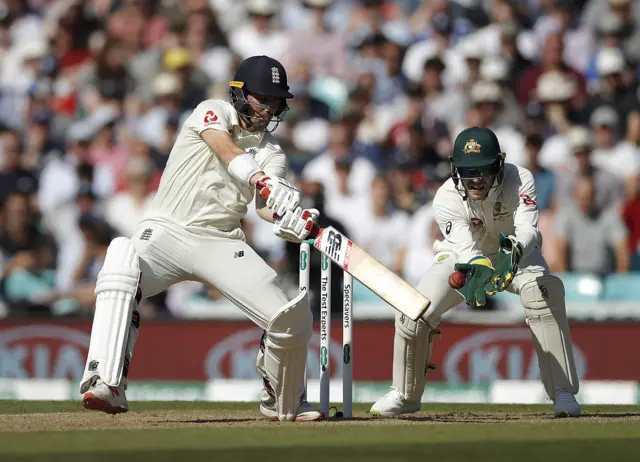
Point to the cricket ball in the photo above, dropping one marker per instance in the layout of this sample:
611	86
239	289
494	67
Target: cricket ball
457	280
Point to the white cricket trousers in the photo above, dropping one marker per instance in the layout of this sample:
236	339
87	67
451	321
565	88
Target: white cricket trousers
169	254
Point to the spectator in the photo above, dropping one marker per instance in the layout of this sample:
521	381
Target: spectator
318	45
488	101
30	284
551	60
510	52
620	158
261	34
609	31
383	231
194	83
443	104
631	218
96	236
439	43
345	177
12	175
578	41
123	210
555	93
545	179
609	190
403	179
19	232
610	64
423	230
585	235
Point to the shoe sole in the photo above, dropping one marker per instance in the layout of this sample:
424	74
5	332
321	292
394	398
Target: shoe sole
391	414
93	403
315	417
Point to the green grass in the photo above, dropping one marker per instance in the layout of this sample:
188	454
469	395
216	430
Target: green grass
198	431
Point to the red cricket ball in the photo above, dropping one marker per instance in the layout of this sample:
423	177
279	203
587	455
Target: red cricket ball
457	280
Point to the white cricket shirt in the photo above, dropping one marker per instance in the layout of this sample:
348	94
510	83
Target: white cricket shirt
196	190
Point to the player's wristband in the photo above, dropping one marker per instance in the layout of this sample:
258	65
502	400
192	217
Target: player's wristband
243	167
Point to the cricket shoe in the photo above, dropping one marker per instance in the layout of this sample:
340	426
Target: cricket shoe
565	404
102	397
306	413
393	404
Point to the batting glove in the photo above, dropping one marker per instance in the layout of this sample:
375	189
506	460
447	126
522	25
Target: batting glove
281	195
296	224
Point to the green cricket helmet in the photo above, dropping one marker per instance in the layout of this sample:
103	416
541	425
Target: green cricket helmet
476	153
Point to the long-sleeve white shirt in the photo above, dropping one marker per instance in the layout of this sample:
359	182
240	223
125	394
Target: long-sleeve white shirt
472	228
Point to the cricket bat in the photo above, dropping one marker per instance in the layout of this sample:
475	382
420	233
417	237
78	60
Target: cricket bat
370	272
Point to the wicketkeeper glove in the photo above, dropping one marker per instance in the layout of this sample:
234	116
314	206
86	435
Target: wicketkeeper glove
507	263
477	279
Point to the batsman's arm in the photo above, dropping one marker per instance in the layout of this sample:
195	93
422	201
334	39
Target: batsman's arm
240	164
211	121
276	167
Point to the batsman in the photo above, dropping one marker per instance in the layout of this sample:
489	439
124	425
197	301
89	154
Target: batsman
222	155
488	216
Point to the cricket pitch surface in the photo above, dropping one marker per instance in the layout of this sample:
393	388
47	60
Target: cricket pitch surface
216	432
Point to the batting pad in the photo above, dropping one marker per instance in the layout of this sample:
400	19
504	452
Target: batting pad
115	291
412	348
544	306
285	354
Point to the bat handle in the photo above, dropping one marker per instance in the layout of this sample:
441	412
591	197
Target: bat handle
315	231
264	192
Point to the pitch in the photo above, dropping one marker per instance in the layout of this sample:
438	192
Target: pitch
203	431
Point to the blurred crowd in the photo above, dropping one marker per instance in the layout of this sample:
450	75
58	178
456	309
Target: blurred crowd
93	93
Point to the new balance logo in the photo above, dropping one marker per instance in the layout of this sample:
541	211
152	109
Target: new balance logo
239	254
146	234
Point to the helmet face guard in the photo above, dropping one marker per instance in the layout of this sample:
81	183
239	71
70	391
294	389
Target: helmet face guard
245	109
492	173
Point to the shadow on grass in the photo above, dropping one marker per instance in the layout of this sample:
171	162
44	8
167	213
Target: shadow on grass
614	450
229	420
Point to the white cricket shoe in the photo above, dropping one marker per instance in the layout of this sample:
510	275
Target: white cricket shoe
306	413
393	404
102	397
565	405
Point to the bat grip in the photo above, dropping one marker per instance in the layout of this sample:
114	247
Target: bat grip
260	186
315	231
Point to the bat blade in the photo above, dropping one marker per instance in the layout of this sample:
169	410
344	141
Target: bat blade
371	273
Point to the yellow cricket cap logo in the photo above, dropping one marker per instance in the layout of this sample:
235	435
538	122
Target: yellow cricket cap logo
471	146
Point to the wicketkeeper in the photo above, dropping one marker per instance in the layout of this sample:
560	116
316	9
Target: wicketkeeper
487	209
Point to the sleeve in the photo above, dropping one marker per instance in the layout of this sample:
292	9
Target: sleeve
276	164
525	218
210	114
456	229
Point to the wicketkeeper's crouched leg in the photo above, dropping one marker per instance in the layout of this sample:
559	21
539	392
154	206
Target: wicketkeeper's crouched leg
543	298
413	341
